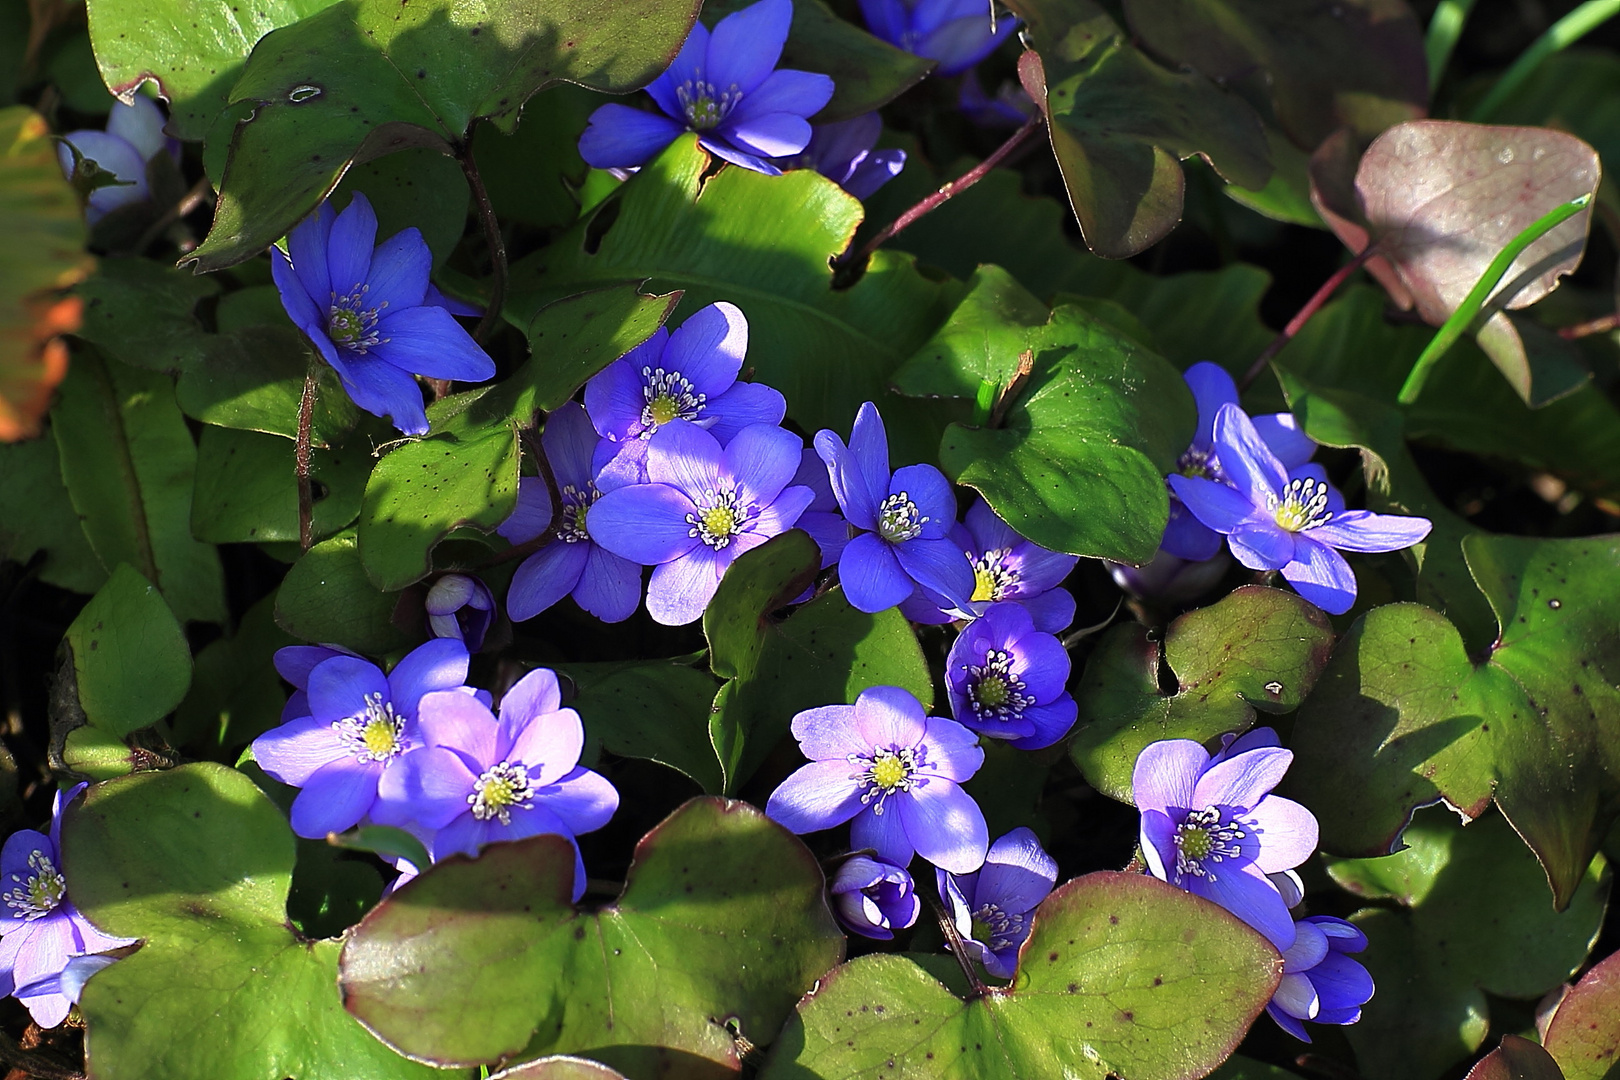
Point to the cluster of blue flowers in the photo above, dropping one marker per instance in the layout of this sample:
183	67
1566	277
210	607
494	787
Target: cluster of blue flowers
1210	825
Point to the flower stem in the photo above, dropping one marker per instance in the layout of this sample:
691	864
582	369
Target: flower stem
976	986
306	494
938	198
1297	323
492	237
1594	326
1461	319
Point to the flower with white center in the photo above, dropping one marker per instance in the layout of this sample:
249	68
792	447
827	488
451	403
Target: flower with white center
1008	680
992	907
956	33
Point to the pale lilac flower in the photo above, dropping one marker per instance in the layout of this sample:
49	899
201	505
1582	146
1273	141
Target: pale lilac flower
1319	981
844	152
1276	518
460	606
1211	826
1170	578
905	517
134	136
359	725
705	507
874	897
691	375
1006	567
1007	680
957	33
994	905
821	519
724	87
42	931
573	564
475	779
896	771
366	308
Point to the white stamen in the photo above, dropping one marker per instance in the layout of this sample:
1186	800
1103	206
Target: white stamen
499	789
899	519
374	733
40	893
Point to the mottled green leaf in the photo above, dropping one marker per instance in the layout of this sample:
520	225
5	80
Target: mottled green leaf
142	313
246	490
36	515
328	598
235	694
253	378
533	174
1583	1035
658	711
130	657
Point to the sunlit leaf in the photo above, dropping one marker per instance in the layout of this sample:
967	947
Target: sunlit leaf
1583	1035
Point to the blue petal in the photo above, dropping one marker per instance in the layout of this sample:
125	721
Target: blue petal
610	587
116	156
620	137
873	171
1249	896
1166	773
708	348
570	441
1218	506
531	517
820	795
762	459
800	93
435	665
744	404
1051	722
1017	874
615	396
1320	575
869	442
961	43
771	135
545	578
738	156
871	575
1360	530
1211	387
1052	611
884	833
645	523
679	591
384	390
745	46
340	686
140	123
926	486
399	272
938	565
350	243
1262	545
887	19
428	341
306	244
945	825
847	479
335	798
1282	433
295	299
1245	458
687	68
1186	537
686	457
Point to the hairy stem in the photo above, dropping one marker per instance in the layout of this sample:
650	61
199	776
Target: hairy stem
953	936
306	494
1297	323
1600	325
492	237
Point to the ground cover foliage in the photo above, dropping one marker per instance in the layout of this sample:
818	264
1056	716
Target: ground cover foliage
1152	468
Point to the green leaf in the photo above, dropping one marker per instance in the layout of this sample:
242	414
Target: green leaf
1113	970
141	313
417	189
533	174
1080	465
331	890
1516	1059
1238	1067
658	711
36	515
367	77
235	694
763	243
1403	716
327	598
130	656
384	840
129	463
197	862
720	928
247	492
558	1067
253	380
1256	648
90	752
1583	1035
825	653
1120	124
1434	963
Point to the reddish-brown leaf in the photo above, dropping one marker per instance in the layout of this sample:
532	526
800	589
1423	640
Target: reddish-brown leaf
1516	1059
1584	1033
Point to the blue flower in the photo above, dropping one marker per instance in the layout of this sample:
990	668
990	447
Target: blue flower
134	136
896	772
724	87
821	518
843	153
43	931
1170	578
874	897
994	905
1319	982
573	564
368	311
689	375
358	725
462	607
957	33
1009	681
1276	518
1006	567
905	517
706	505
1185	536
1011	106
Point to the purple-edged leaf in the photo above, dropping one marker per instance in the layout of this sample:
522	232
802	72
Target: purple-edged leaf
558	1067
1516	1059
1584	1033
1171	956
722	916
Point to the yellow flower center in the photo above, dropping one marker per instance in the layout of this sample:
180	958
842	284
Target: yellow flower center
887	772
1194	843
500	788
984	584
991	692
720	520
379	737
664	409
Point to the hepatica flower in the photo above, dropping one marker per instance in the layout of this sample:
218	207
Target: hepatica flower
957	33
905	517
1008	680
1319	981
477	779
724	87
703	508
992	906
134	136
360	724
1277	518
462	607
366	308
1212	827
604	584
896	772
1186	537
844	153
689	375
42	930
1006	567
874	897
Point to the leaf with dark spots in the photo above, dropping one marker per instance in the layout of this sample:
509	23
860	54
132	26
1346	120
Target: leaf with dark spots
1516	1059
483	959
1583	1035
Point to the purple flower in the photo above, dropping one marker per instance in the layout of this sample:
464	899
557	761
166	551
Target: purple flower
957	33
134	136
689	375
1319	982
843	153
358	727
1276	518
821	518
874	897
704	507
462	607
1008	567
906	517
475	779
1011	106
1212	827
1185	536
722	86
1008	680
896	772
601	582
367	311
42	930
1168	577
992	907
